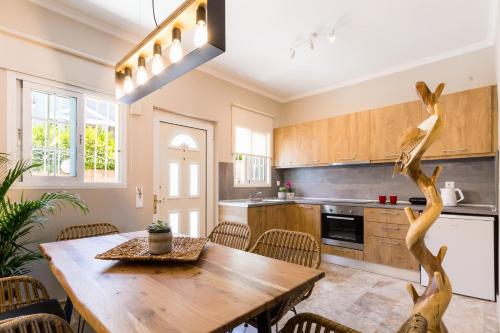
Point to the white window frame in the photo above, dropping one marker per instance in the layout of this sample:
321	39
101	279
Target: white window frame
189	163
22	118
179	180
251	182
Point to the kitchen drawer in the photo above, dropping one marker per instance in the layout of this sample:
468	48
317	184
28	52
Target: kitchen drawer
390	252
387	230
342	251
386	215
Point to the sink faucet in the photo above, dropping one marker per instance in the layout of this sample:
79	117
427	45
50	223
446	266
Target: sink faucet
254	196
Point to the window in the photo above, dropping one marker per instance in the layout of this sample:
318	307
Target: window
74	138
194	223
174	179
194	179
185	141
252	134
174	220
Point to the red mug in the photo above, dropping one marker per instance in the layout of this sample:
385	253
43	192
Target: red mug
382	199
393	199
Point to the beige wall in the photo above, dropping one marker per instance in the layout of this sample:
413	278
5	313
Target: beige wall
395	88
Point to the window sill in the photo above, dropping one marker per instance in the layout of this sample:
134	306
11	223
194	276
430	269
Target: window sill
252	185
67	186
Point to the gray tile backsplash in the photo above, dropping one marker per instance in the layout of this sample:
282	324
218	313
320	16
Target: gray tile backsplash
227	190
476	177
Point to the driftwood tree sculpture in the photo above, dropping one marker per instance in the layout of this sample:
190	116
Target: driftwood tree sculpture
428	308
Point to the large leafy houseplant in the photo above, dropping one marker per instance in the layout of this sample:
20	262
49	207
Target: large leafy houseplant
17	219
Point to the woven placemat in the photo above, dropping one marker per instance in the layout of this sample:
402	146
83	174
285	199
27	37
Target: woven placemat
137	249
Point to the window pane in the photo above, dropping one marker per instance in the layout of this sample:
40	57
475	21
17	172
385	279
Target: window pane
194	179
174	179
243	140
183	141
173	218
53	134
101	141
194	222
259	144
240	169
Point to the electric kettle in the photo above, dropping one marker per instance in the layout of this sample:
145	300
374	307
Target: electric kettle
449	194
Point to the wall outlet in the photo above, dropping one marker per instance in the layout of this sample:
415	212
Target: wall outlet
139	197
278	183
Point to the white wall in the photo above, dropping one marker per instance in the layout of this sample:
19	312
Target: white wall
396	88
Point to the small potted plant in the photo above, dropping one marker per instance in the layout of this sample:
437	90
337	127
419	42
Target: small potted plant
160	238
282	192
290	194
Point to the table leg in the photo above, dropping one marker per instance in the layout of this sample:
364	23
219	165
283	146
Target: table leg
68	310
264	322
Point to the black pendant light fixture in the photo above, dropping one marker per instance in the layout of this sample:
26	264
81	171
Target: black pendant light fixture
145	69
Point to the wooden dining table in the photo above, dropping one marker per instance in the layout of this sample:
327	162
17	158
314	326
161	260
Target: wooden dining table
222	289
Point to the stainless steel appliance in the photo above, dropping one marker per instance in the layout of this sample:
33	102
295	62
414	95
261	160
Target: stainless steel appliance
342	226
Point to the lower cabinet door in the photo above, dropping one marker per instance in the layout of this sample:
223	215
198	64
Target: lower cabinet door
390	252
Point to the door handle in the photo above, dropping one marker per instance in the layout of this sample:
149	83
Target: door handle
156	201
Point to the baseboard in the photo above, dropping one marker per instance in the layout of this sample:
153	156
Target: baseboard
399	273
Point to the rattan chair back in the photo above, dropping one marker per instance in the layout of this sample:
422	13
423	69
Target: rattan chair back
87	230
231	234
292	246
313	323
20	291
37	323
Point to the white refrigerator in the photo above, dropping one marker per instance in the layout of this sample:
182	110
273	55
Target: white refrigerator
470	260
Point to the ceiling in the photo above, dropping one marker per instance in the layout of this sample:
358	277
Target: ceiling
373	37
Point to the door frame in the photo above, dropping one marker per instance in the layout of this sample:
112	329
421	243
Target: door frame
163	116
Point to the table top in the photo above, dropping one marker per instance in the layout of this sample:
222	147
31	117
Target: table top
224	288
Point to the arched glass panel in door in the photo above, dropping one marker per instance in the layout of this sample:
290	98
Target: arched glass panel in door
183	141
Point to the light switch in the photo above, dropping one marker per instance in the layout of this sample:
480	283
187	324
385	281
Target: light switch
139	197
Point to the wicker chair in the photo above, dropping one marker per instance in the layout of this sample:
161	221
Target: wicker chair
313	323
231	234
87	230
19	291
37	323
291	246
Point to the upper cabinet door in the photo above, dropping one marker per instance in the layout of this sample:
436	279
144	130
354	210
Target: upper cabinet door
349	138
311	143
285	148
386	126
467	119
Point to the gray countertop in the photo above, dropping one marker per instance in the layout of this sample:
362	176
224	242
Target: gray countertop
461	209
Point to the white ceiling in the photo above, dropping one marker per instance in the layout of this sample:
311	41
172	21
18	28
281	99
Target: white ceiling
374	37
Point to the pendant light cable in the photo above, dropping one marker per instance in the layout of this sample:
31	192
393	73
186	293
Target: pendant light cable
154	15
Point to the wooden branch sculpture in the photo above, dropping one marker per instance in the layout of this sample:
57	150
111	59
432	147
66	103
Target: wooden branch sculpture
428	308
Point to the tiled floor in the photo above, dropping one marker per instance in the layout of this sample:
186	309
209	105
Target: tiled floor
375	303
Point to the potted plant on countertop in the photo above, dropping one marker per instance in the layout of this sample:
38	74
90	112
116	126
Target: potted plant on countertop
282	191
290	195
160	238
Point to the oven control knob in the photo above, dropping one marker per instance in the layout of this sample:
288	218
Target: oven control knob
350	211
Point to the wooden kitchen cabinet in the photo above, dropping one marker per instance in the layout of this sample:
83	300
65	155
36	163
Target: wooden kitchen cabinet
385	233
304	218
468	125
386	126
349	138
342	252
302	144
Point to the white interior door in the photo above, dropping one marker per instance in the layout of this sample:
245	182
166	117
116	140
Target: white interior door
182	174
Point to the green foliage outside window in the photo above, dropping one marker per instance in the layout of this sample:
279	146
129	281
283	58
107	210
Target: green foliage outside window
95	144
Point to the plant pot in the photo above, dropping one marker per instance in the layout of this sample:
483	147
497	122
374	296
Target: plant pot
290	195
160	242
282	195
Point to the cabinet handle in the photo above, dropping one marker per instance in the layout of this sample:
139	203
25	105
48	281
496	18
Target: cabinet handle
348	158
454	150
392	155
390	213
390	228
390	243
306	207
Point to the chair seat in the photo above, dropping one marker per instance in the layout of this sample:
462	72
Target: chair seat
51	306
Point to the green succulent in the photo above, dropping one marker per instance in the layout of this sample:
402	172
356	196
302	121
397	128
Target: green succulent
159	226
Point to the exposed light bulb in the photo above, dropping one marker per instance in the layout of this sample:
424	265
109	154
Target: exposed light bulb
128	84
142	73
176	49
292	53
200	32
157	62
332	36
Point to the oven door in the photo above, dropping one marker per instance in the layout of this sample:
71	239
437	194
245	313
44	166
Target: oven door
342	230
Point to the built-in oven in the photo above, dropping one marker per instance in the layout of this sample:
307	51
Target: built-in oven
342	226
